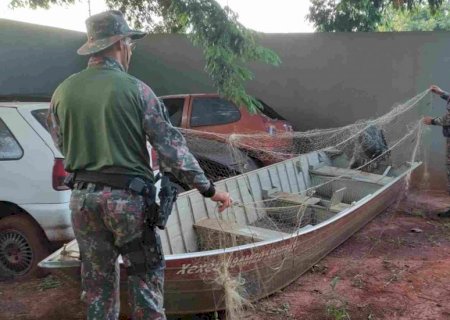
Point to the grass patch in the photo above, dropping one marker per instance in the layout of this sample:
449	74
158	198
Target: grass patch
336	306
49	282
338	312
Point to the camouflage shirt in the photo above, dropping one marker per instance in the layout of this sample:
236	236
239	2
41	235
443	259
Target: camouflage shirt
445	119
100	118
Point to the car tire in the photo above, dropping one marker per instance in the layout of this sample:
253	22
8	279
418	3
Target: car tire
22	246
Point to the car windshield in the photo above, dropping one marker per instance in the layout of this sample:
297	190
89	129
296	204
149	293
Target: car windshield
41	116
268	111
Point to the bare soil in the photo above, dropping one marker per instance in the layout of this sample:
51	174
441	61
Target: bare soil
397	267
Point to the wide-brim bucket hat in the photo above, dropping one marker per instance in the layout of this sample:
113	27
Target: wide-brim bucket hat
105	29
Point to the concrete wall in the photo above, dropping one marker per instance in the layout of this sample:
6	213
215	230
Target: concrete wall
35	59
325	80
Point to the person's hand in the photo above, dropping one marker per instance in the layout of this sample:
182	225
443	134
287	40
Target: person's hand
427	120
435	89
223	199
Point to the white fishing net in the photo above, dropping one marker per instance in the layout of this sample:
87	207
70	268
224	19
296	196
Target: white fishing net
226	155
369	152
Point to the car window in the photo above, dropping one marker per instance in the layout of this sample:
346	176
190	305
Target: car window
213	111
268	111
41	116
9	147
175	108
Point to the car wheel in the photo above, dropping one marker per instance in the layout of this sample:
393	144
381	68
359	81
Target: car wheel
22	246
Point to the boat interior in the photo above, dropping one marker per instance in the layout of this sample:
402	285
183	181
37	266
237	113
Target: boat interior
272	202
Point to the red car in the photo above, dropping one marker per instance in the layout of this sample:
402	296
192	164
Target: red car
210	113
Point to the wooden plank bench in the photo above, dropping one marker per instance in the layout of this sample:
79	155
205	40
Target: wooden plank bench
336	204
289	207
352	174
286	198
294	199
310	210
216	234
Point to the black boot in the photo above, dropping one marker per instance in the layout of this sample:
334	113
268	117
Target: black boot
444	214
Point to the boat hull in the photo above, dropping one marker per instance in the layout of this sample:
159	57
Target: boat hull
191	284
192	281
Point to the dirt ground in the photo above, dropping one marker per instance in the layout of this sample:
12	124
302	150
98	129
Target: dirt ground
397	267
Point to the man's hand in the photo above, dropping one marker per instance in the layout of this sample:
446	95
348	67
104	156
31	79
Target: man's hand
427	120
223	198
435	89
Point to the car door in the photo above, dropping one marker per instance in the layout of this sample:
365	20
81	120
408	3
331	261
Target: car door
25	161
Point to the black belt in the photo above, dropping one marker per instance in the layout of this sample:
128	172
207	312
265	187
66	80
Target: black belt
119	181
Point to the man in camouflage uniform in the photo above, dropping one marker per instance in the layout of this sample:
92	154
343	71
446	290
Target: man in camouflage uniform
444	122
100	119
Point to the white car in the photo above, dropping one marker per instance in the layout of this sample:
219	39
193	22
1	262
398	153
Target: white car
34	202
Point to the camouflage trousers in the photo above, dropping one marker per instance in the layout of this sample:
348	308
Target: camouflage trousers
104	220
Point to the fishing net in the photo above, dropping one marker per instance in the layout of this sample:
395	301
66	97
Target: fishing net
341	166
226	155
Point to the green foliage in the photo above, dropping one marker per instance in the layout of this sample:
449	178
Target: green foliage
338	312
227	45
360	15
421	18
152	15
334	282
346	15
49	282
336	306
34	4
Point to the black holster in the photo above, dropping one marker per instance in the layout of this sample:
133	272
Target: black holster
144	253
167	197
156	216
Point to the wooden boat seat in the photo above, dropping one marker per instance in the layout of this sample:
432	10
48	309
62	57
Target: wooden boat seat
217	233
339	207
310	210
352	174
288	198
336	204
289	207
294	199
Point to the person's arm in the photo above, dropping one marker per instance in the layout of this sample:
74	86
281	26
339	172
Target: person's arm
54	127
434	121
443	94
170	145
173	153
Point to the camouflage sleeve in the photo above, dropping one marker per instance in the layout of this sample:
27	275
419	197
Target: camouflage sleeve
439	121
445	96
53	126
173	153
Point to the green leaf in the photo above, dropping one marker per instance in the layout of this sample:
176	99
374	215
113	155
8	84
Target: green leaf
334	282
